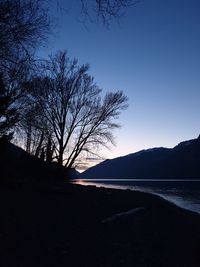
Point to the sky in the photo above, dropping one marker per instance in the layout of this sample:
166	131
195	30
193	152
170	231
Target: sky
153	55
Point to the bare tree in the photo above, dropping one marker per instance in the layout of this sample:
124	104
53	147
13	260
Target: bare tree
105	10
8	114
24	24
12	95
72	104
33	126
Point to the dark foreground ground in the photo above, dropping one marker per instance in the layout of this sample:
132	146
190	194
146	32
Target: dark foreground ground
64	226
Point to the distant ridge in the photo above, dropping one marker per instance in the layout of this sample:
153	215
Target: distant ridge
180	162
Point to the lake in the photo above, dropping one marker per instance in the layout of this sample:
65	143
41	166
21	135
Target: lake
183	193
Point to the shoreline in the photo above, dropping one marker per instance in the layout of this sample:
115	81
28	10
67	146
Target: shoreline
49	225
176	199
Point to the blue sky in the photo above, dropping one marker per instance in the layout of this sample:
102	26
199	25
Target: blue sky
153	55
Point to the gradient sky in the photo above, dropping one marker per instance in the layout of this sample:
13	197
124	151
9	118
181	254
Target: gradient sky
153	55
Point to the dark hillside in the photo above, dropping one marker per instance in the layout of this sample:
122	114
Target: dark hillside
18	166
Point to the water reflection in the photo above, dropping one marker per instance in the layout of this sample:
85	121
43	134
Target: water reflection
184	193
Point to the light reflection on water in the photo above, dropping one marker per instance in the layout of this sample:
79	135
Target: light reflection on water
184	193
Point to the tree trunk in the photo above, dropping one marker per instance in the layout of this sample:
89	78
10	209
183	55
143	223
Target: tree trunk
60	154
28	140
39	147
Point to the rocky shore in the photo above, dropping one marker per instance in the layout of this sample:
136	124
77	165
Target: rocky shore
73	225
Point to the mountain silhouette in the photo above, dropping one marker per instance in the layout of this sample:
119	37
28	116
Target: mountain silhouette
180	162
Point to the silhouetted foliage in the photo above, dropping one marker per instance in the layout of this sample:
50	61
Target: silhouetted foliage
12	96
8	116
24	24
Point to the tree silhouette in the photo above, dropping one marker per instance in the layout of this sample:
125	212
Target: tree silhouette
8	114
60	112
71	103
105	10
24	25
12	96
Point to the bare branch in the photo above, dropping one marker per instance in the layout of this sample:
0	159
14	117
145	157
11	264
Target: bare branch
105	10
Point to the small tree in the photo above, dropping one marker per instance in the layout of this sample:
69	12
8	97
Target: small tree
71	103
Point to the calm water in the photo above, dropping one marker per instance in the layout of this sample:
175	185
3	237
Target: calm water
184	193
